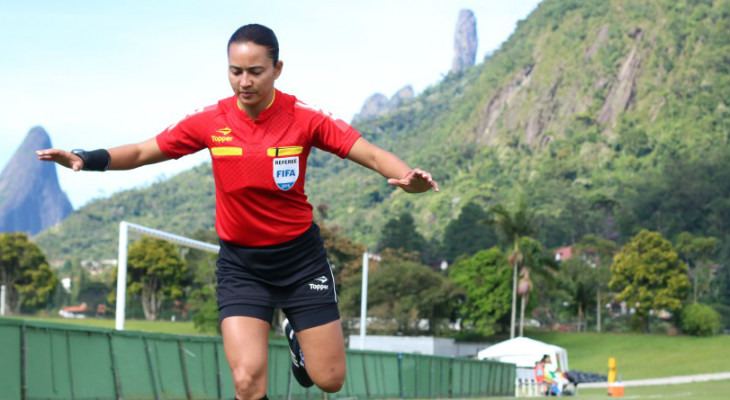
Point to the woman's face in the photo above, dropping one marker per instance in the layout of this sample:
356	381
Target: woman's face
252	74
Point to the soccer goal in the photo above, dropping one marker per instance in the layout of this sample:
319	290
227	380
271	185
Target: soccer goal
124	229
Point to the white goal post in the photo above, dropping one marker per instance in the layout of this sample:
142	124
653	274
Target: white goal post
124	228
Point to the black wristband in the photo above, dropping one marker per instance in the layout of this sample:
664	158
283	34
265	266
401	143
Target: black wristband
95	160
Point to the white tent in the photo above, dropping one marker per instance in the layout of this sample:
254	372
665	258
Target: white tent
525	352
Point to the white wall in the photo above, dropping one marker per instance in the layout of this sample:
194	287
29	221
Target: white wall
418	345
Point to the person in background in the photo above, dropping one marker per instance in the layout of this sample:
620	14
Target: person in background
540	375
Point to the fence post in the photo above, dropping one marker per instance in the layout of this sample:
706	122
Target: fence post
365	374
219	379
23	365
153	370
184	366
400	374
115	367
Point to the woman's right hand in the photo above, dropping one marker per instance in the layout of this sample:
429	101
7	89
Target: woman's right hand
62	157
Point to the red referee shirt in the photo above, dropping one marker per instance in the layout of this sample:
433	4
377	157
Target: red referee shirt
259	166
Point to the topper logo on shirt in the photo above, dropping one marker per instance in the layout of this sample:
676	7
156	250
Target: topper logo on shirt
286	172
222	139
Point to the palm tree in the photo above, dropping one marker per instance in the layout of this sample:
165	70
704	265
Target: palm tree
524	287
534	260
600	252
514	226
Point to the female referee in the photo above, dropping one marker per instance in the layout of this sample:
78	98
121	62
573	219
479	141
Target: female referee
271	253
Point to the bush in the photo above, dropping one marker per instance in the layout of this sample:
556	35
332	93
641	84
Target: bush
205	310
724	311
700	320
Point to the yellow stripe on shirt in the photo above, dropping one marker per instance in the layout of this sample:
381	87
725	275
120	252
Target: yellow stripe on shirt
226	151
284	151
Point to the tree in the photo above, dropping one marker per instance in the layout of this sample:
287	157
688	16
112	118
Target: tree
514	226
598	253
400	233
28	279
344	255
534	260
720	286
648	275
579	281
202	296
155	272
484	279
94	294
402	289
697	252
468	233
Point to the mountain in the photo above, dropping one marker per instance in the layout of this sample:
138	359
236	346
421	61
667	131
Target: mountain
465	42
183	204
31	199
378	104
465	47
606	117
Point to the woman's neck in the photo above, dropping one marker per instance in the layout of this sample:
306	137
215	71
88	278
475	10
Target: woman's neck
254	113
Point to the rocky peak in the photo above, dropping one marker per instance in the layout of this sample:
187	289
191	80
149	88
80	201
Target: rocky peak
379	104
31	199
405	93
465	41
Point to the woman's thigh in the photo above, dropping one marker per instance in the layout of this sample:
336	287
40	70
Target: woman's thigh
245	340
323	348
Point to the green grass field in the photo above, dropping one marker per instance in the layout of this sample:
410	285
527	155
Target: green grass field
715	390
643	356
177	328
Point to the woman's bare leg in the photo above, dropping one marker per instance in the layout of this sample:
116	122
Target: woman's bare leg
323	348
246	342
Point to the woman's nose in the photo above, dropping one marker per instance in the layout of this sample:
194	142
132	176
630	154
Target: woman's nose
245	80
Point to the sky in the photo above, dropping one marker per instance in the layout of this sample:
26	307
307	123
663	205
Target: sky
99	74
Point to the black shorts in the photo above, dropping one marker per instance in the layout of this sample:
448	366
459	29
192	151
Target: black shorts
294	276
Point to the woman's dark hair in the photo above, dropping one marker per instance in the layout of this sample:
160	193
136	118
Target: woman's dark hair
258	34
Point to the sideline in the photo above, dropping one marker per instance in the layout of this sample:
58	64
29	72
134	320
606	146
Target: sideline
671	380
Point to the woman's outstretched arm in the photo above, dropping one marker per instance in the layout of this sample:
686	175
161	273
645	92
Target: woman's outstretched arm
123	157
389	165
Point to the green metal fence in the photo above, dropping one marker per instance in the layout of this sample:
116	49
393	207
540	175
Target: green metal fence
54	361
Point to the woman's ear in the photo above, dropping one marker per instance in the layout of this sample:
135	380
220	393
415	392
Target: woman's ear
278	68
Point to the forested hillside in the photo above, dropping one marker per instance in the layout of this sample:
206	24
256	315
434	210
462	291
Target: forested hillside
184	204
606	117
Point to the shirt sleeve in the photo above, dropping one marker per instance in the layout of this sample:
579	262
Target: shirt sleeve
334	135
184	137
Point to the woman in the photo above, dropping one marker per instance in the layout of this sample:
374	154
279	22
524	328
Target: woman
271	255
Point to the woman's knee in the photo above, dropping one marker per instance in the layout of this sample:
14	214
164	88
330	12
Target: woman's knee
331	382
249	385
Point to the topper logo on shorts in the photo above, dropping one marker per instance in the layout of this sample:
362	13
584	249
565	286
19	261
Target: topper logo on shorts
286	172
319	286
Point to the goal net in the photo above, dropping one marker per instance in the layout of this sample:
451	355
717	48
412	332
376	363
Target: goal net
124	229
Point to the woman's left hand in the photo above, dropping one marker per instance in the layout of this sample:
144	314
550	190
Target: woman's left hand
416	181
